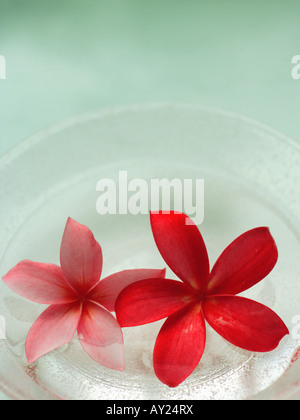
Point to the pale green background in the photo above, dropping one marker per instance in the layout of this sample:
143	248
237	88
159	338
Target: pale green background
65	57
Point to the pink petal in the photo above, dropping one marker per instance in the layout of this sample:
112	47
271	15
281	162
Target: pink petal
180	346
182	247
81	257
40	283
244	323
101	336
54	328
150	300
108	290
248	260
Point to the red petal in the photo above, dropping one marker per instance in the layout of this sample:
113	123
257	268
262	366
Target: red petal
54	328
108	290
81	257
101	336
40	283
248	260
179	346
182	247
244	323
150	300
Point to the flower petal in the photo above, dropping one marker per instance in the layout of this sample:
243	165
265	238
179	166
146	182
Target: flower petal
182	247
101	336
244	263
81	257
180	346
151	300
244	323
108	290
40	283
54	328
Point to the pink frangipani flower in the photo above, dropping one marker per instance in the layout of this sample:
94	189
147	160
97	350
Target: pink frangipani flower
78	300
202	295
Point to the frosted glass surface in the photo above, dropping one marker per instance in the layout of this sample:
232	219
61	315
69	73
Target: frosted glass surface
53	176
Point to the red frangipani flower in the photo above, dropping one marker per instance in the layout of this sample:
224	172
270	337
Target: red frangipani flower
202	295
78	300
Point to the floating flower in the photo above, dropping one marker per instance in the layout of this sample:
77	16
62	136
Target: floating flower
78	300
202	295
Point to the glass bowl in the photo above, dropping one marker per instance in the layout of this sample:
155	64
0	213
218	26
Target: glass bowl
252	178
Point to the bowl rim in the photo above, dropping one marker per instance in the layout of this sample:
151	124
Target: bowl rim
81	118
